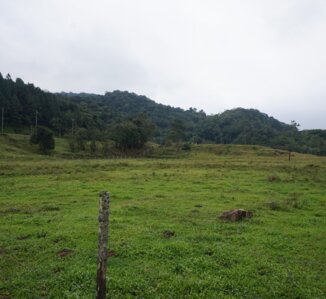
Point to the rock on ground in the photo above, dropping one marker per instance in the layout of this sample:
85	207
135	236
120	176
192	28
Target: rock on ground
236	215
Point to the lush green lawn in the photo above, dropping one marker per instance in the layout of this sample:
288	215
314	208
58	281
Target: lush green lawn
50	204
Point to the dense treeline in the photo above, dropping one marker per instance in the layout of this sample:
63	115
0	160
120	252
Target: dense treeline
119	106
24	103
130	120
249	126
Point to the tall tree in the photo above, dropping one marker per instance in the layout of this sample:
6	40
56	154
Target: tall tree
133	133
177	131
44	138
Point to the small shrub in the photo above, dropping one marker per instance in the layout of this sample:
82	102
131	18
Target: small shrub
44	138
186	146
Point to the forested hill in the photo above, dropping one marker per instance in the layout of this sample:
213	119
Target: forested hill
118	106
100	116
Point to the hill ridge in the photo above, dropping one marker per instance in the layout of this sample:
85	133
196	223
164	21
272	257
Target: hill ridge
99	114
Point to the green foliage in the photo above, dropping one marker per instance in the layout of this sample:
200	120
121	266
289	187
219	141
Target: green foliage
80	138
186	146
177	131
98	116
44	138
105	149
93	147
20	102
72	145
134	133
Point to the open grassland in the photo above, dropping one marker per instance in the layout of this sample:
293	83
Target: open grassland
48	225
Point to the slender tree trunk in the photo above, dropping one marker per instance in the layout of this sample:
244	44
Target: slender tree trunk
103	236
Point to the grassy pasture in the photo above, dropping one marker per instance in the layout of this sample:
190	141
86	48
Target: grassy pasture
48	224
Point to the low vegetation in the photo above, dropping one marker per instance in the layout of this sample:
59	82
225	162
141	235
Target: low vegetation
166	237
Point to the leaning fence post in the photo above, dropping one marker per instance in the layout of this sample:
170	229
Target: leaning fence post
103	236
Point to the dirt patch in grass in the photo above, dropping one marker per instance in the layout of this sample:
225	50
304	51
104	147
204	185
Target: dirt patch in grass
65	252
168	234
198	206
112	253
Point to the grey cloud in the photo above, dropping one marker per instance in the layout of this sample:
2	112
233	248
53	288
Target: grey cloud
213	55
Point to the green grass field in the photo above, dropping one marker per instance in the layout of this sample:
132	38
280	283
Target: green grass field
49	209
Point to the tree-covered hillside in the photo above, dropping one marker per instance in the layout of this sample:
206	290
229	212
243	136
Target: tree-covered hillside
121	115
24	104
118	106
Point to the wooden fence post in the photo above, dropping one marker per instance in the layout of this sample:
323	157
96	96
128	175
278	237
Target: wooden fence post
103	236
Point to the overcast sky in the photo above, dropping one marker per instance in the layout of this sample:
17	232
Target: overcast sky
208	54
